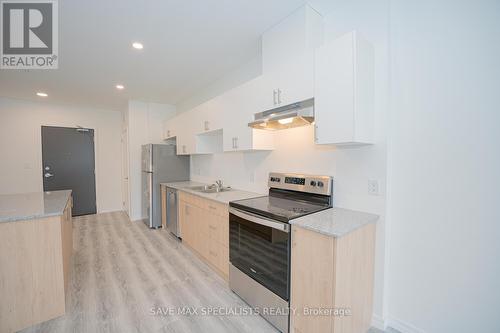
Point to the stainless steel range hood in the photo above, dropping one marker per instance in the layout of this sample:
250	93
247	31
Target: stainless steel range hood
288	116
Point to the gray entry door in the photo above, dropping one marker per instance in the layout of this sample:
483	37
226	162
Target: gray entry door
68	163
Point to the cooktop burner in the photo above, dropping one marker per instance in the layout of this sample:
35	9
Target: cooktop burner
277	208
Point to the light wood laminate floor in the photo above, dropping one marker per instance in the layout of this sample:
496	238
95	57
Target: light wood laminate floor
121	271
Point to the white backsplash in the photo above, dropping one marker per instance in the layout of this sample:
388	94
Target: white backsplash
296	152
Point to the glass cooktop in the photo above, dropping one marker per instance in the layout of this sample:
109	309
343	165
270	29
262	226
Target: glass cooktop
278	208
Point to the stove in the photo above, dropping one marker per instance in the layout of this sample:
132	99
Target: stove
259	239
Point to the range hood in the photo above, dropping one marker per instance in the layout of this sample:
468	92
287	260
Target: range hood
288	116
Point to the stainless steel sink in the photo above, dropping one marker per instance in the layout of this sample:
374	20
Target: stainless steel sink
209	189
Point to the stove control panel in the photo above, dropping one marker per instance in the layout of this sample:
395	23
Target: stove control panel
302	183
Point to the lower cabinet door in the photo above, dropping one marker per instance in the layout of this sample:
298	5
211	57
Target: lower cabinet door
213	254
188	227
224	261
219	257
206	230
311	252
202	238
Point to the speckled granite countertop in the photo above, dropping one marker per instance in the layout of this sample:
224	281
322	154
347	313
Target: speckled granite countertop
222	197
27	206
335	222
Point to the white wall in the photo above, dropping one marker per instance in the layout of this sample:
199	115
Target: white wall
444	166
145	125
296	152
238	76
21	148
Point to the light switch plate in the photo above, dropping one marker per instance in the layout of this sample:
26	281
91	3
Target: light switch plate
373	187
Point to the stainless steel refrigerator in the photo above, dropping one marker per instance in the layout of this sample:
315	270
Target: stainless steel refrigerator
160	164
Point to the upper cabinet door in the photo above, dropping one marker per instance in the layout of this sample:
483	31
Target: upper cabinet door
292	82
343	104
301	32
169	127
208	116
240	105
288	58
185	136
213	110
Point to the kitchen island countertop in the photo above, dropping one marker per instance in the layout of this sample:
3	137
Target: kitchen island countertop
36	205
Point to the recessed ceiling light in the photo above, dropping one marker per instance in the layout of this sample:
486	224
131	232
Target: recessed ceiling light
137	45
41	94
120	87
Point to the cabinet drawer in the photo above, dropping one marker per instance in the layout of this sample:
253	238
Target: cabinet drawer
214	230
191	199
218	229
218	256
215	207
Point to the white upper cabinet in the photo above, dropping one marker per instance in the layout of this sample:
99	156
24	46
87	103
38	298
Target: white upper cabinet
185	135
239	105
169	127
208	117
301	32
293	82
288	58
343	104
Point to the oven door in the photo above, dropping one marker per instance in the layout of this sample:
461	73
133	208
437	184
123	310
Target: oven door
260	248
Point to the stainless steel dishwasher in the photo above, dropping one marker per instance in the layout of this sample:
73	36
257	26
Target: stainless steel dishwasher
172	212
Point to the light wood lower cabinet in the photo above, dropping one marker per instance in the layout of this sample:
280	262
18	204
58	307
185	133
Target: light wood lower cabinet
35	257
205	229
332	275
67	240
163	190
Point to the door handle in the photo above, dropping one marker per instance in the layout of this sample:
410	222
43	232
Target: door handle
48	175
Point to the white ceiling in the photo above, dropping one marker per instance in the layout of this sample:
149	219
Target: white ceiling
187	45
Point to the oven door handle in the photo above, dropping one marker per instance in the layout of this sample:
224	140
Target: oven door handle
260	220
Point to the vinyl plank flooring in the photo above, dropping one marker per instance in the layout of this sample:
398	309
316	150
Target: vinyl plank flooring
126	277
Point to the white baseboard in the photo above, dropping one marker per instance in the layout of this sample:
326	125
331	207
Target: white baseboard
402	326
378	322
109	211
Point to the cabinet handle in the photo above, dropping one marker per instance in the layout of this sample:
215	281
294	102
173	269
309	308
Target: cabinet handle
212	207
168	133
236	143
213	253
274	96
279	96
212	227
206	126
315	133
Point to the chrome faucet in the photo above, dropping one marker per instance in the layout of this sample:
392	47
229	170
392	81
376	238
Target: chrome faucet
218	185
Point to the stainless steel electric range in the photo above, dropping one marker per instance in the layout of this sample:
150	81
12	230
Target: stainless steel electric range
259	240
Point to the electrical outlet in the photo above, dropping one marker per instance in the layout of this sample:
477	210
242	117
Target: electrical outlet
373	187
